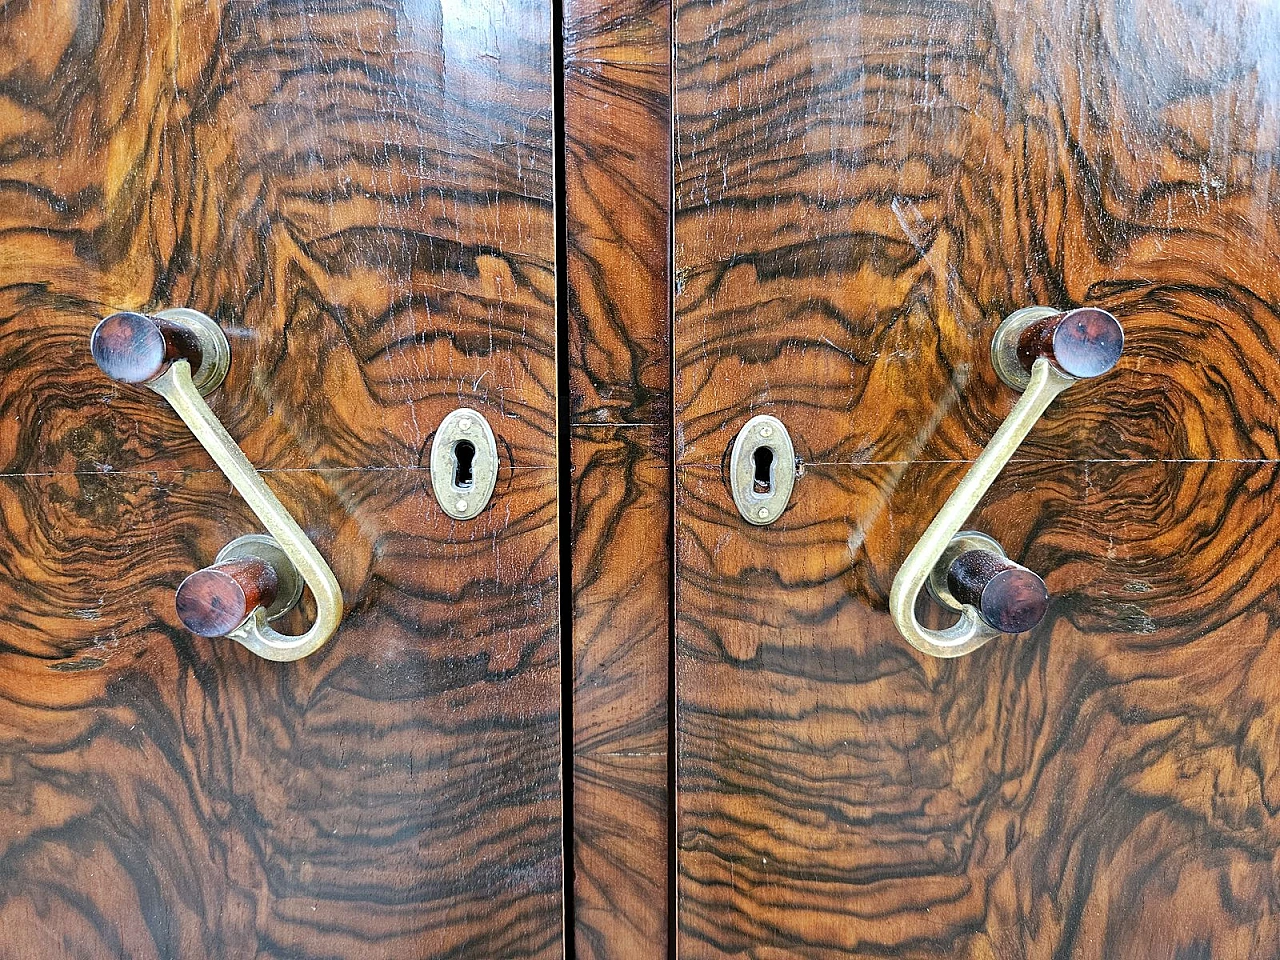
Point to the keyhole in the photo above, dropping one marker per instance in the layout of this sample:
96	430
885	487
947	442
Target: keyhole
464	453
763	459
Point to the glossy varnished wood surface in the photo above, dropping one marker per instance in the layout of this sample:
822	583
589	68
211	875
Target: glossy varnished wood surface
863	191
617	208
621	633
362	197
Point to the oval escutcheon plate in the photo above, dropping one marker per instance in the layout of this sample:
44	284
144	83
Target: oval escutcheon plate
464	464
762	470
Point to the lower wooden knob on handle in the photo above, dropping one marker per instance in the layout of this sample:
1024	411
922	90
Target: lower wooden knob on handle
1009	597
214	601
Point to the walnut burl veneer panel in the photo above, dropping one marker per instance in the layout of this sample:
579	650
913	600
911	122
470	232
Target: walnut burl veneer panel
396	794
617	75
621	631
863	190
1105	786
361	194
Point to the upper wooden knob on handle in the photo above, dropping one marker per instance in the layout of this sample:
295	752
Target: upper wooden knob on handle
1081	343
1008	597
214	601
135	348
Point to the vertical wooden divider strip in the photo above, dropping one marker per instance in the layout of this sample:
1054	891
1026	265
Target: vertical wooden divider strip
617	75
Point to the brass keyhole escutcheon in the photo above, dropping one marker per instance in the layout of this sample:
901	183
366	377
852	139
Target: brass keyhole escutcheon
464	464
762	470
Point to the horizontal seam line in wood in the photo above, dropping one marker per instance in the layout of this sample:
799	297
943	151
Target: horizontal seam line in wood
184	471
188	471
906	463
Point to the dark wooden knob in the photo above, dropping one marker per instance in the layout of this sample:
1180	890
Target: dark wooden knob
1081	343
135	348
1009	597
214	601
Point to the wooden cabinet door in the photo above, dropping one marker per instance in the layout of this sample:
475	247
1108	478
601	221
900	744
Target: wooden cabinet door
361	195
863	190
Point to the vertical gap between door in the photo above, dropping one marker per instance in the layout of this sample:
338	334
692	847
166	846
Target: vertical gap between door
564	479
673	925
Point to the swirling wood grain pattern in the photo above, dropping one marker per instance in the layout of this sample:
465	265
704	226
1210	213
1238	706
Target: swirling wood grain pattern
361	194
617	207
364	194
621	650
863	190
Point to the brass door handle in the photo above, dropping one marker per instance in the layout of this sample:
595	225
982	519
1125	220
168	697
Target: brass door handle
1041	352
183	356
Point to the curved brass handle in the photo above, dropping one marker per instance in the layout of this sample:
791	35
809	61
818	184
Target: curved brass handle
183	356
1041	352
